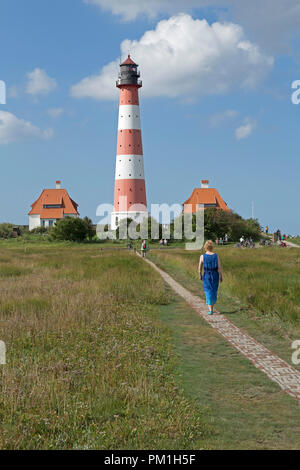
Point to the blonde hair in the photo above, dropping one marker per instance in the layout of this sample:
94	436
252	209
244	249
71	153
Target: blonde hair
209	246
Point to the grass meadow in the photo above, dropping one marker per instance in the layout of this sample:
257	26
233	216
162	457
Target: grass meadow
89	364
102	355
261	289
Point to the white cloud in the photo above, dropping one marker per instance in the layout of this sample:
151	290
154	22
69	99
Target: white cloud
245	130
220	118
272	21
13	129
55	112
39	83
184	57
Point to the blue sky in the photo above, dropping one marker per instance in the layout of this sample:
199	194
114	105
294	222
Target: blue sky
211	108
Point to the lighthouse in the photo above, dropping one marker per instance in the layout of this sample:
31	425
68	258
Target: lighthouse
130	189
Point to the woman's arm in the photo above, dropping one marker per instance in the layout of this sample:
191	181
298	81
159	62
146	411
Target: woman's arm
220	269
200	267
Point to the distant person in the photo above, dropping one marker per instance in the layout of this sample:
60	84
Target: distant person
278	235
213	274
221	241
242	239
267	230
226	238
144	248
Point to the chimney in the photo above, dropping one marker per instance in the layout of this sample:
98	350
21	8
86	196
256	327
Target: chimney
58	184
204	184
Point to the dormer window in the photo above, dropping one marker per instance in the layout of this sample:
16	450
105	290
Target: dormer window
52	206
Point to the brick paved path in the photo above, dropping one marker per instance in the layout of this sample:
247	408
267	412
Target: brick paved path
275	368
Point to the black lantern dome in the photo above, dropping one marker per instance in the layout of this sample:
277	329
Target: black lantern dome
129	74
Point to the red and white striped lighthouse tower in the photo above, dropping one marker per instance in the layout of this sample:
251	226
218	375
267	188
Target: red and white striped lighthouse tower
130	191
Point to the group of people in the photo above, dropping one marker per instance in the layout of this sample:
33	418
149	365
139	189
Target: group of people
280	237
222	241
247	242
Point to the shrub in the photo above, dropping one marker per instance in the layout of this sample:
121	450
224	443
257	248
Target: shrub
91	231
6	230
70	229
217	223
39	230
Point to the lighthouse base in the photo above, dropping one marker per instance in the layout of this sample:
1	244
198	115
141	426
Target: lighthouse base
117	217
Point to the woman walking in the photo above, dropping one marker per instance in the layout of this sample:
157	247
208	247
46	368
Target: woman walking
211	263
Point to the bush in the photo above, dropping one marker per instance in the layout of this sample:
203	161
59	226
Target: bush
217	223
6	230
39	230
70	229
91	231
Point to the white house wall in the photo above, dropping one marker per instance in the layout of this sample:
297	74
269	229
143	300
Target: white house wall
34	221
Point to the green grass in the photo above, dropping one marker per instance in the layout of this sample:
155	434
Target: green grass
101	355
89	363
241	406
260	291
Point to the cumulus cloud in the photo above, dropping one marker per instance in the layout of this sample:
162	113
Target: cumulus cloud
39	82
245	130
272	21
13	129
185	57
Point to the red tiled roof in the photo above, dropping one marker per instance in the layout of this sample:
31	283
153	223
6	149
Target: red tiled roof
52	214
128	61
54	197
206	196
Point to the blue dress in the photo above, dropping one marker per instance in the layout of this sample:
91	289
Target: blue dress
211	278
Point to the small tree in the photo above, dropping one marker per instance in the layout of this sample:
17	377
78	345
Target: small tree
91	231
70	229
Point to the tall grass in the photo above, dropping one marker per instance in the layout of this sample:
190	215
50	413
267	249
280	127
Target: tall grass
266	279
89	365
